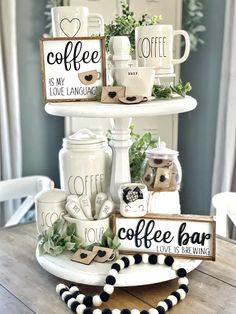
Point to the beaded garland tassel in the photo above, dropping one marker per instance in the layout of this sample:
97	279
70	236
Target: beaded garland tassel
81	304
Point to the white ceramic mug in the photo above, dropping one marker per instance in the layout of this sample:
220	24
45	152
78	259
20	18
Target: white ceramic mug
69	21
89	231
137	80
154	47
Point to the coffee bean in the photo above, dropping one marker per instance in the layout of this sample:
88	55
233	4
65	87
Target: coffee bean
112	94
83	255
88	77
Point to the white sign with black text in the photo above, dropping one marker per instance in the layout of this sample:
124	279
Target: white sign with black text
72	68
186	236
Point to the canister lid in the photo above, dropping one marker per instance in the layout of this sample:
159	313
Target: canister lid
162	152
51	196
84	137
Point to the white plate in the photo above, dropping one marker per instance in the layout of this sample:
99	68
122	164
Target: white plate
95	273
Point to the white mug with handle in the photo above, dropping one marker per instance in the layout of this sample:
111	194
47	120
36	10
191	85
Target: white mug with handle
69	21
154	47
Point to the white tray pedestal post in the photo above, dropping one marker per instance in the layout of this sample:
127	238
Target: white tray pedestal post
120	144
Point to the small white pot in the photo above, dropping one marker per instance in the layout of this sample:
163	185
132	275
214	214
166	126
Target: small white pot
89	231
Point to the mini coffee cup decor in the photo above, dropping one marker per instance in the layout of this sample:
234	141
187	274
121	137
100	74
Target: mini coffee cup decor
133	199
69	21
89	77
155	45
137	80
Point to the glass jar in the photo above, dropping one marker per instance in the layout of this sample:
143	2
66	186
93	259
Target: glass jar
161	170
85	164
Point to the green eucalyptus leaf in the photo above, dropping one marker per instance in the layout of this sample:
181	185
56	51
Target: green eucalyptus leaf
69	246
70	230
57	250
110	242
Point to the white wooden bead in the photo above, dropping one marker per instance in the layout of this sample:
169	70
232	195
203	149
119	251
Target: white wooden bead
145	258
175	265
135	311
153	311
182	293
113	272
121	263
97	311
163	304
97	300
173	299
60	287
64	294
80	298
161	259
183	281
115	311
74	289
131	260
108	289
70	302
80	309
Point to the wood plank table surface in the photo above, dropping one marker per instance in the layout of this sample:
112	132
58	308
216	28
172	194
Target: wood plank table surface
25	287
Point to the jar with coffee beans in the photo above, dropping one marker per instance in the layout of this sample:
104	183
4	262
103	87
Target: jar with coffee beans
161	170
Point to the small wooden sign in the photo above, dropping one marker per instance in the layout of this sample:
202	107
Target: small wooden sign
72	68
185	236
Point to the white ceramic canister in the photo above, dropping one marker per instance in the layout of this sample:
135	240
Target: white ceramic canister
85	164
50	206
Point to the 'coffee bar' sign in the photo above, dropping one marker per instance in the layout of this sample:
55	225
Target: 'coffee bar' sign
185	236
72	68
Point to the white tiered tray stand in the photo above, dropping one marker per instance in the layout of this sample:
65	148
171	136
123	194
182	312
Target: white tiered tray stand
121	115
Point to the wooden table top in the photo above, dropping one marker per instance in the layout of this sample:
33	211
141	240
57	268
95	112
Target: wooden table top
27	288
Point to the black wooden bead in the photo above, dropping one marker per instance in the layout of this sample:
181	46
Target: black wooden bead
110	280
181	272
152	259
88	310
125	311
106	311
68	297
137	258
176	294
75	294
72	285
169	260
74	305
184	287
104	296
160	309
169	303
116	267
126	261
144	312
63	290
88	300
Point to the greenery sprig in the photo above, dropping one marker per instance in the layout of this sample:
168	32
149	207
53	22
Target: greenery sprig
137	152
168	92
193	16
58	239
124	25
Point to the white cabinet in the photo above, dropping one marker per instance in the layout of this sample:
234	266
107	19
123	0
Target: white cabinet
171	10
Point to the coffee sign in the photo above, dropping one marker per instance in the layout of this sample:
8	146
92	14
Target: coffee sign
72	68
185	236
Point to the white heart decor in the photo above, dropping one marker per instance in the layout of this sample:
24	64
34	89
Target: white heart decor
70	27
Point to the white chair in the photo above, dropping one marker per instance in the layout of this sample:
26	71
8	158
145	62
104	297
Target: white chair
27	188
225	205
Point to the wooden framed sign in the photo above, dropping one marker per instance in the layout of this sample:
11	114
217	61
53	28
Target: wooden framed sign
72	68
186	236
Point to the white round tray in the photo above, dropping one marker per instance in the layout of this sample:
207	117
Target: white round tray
95	273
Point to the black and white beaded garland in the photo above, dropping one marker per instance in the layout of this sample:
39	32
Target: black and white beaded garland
82	304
